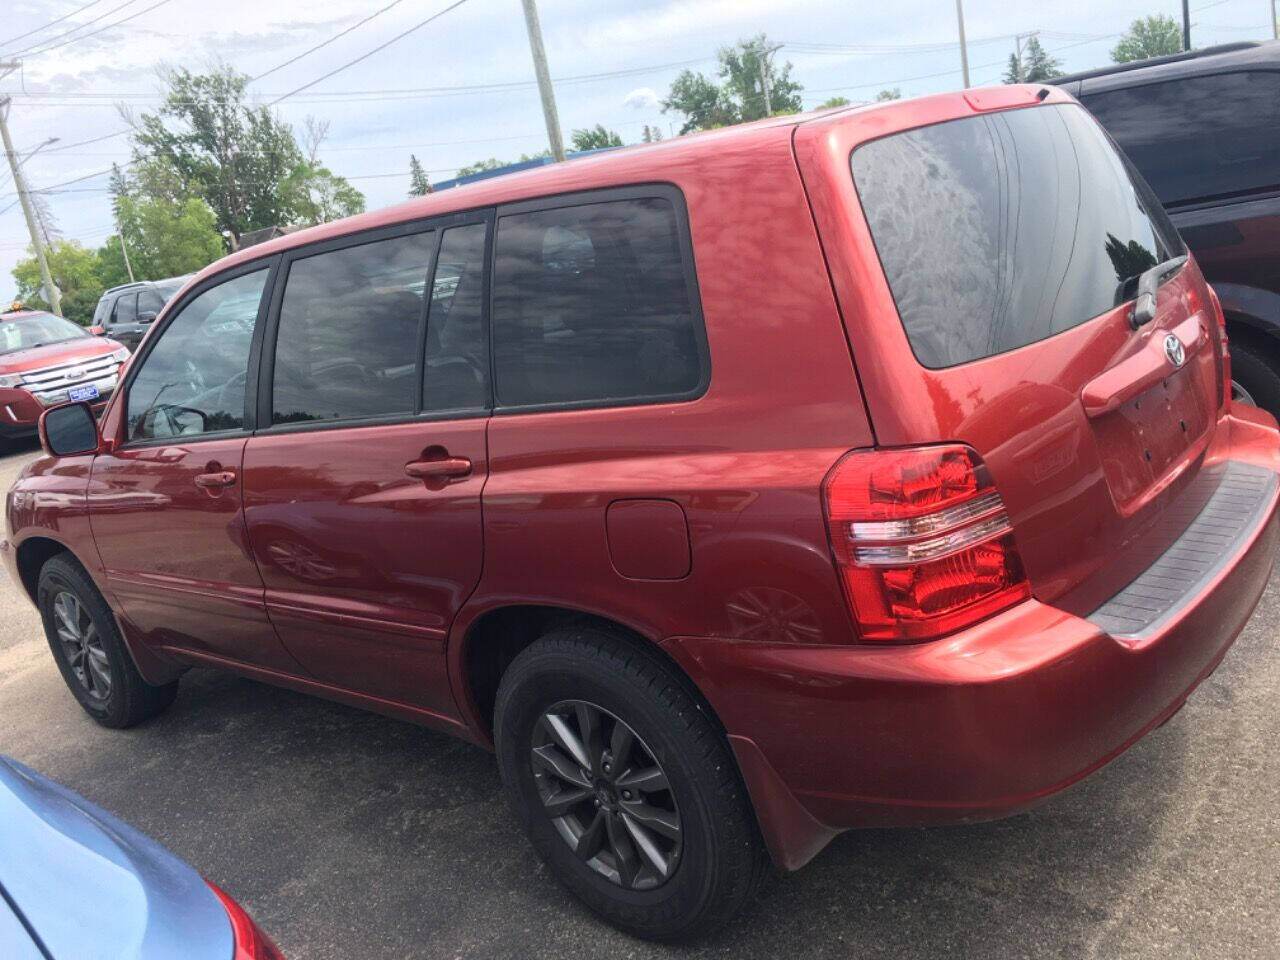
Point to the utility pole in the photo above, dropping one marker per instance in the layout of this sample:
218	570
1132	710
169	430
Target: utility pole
1275	27
19	184
964	50
125	251
1186	24
549	112
765	54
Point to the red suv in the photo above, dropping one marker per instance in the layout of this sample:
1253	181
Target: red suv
46	360
864	469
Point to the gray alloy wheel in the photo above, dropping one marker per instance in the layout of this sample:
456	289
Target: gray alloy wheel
82	645
1240	395
606	795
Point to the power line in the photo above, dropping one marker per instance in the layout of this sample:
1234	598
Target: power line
366	56
76	29
51	22
109	26
325	43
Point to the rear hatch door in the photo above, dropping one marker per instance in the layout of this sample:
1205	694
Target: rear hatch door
987	262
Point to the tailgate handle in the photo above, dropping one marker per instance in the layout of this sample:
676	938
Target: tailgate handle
1134	375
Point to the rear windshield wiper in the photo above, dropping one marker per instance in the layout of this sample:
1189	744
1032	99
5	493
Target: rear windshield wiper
1144	307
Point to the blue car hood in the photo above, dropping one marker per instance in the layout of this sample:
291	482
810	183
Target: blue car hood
91	886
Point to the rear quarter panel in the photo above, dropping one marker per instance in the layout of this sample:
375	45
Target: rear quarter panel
744	461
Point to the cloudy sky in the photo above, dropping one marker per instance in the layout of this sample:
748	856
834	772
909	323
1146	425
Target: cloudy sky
460	88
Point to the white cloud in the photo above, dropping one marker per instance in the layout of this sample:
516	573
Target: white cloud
641	98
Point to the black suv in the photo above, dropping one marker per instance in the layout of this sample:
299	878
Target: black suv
1204	129
124	313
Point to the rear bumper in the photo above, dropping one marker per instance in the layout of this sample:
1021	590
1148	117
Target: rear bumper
981	724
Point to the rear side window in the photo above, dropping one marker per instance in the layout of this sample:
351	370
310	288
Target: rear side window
347	342
1199	137
592	304
999	230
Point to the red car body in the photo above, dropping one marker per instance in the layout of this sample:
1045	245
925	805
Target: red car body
42	375
703	526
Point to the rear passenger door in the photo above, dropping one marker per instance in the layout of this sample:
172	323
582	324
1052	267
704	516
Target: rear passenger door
362	488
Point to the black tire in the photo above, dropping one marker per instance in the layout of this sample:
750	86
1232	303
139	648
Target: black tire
721	860
123	698
1255	366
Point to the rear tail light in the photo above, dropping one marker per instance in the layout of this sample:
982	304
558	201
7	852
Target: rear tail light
922	541
1226	352
250	942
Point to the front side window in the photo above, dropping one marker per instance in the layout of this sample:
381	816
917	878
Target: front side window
149	302
347	344
37	330
592	305
193	380
999	230
1199	137
126	310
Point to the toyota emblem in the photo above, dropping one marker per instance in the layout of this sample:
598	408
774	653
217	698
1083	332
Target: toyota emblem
1174	351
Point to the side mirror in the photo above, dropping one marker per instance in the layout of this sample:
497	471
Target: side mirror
146	316
98	330
68	429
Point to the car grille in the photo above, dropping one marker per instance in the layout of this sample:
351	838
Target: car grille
49	385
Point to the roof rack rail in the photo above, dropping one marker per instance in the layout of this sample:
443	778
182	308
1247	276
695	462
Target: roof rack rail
1156	61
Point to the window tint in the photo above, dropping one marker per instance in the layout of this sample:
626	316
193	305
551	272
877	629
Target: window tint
1000	230
192	381
591	303
456	376
149	301
101	311
1200	136
347	344
126	310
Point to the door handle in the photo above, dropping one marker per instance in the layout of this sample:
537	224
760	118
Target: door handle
215	481
429	469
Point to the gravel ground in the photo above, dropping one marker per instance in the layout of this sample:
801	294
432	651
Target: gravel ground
353	836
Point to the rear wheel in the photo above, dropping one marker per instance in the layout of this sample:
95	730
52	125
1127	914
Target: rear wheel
90	652
624	785
1255	370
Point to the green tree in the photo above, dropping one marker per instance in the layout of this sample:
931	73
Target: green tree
1034	66
893	93
1152	36
75	271
244	159
832	102
739	97
493	163
593	138
167	226
419	182
650	134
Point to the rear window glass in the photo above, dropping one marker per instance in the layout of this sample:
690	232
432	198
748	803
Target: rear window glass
1199	137
999	230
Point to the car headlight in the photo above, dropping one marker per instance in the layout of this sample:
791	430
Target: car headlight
121	355
10	380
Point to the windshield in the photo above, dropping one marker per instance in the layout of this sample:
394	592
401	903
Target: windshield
24	333
999	230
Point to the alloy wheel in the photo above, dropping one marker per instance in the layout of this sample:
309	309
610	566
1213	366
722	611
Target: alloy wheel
82	645
1240	395
606	795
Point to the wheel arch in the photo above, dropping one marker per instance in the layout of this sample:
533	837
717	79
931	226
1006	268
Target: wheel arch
32	554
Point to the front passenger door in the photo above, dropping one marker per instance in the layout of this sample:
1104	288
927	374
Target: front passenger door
124	325
165	504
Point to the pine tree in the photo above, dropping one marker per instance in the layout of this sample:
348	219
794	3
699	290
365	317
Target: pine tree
419	183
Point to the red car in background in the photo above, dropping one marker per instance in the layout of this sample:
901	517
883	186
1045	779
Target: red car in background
46	360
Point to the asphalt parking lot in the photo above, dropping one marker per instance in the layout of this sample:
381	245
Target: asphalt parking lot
349	835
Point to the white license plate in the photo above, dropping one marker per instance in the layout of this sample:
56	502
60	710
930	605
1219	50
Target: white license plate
78	394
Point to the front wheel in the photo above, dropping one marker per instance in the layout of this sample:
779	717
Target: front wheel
90	652
625	786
